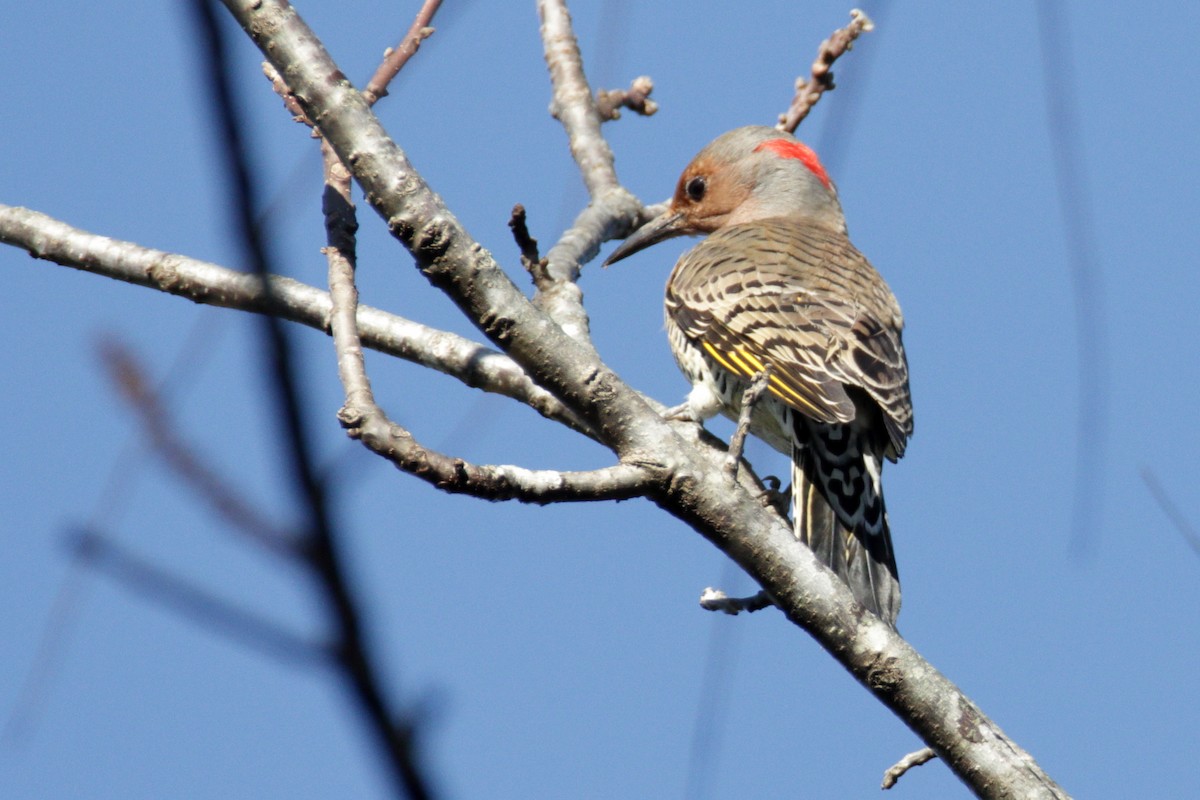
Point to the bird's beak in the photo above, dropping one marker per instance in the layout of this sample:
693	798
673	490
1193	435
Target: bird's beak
664	226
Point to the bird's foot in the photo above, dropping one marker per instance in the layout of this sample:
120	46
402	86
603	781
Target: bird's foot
771	496
682	413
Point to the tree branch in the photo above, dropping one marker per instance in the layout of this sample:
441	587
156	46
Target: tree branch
202	282
573	104
395	58
1178	519
715	600
393	733
820	80
636	98
365	420
692	485
613	210
225	501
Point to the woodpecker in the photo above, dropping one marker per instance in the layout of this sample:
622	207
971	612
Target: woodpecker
777	283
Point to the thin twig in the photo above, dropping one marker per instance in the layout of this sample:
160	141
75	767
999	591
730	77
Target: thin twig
715	600
810	89
749	398
636	98
365	420
533	263
395	58
290	101
198	605
905	764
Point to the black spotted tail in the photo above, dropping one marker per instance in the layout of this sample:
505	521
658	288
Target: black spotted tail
854	540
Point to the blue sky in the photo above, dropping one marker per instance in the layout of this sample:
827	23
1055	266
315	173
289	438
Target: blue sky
560	652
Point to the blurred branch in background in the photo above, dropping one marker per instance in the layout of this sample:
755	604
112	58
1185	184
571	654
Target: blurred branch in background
320	545
205	609
1087	279
1173	512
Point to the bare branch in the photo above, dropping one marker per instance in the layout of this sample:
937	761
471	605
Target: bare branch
395	58
393	733
573	104
613	210
749	399
1085	267
600	222
498	481
224	500
809	90
197	604
533	263
475	365
897	770
290	102
716	600
493	482
636	98
365	420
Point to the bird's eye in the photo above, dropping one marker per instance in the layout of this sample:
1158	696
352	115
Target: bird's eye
695	188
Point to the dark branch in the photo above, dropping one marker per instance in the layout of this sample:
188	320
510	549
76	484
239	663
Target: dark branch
394	735
1084	268
198	605
533	263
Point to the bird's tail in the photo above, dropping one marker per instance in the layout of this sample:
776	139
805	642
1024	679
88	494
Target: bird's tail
837	510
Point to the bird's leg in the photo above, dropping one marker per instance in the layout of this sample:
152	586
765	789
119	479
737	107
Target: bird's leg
703	402
751	396
682	413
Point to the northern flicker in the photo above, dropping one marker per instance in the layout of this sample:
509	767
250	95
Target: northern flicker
777	282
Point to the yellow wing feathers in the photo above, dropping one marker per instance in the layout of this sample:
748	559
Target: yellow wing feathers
747	364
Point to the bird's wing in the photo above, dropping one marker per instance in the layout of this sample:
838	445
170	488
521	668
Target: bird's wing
805	301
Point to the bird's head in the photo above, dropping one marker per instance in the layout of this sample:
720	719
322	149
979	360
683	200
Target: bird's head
747	174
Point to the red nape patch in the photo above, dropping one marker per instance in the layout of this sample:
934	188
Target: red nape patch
789	148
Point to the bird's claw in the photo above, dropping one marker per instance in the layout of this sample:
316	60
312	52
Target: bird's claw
771	496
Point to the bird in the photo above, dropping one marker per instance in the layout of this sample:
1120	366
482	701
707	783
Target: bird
776	283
